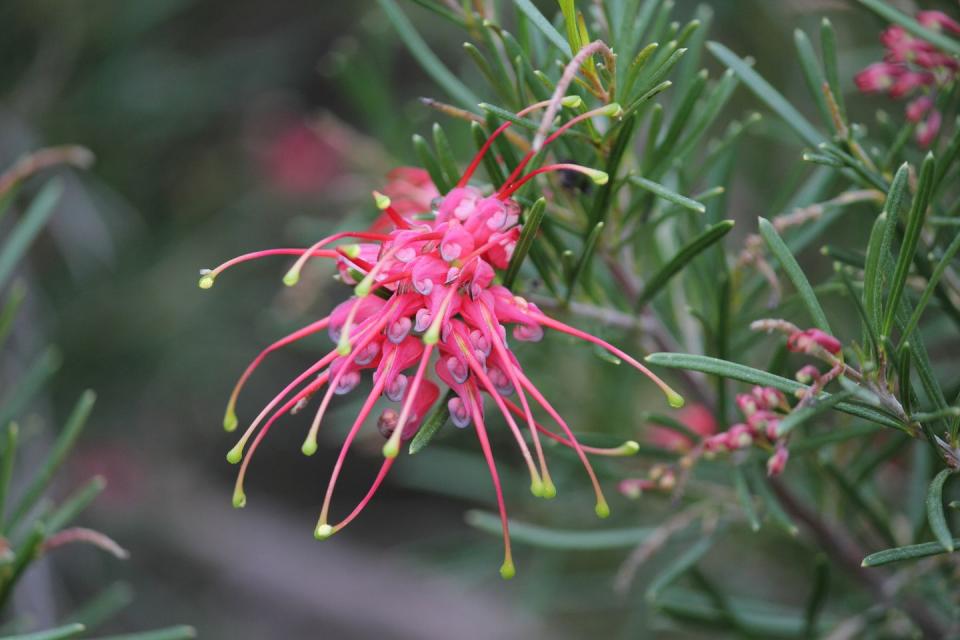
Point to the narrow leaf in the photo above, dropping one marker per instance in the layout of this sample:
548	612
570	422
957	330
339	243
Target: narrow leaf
562	539
683	257
763	90
911	237
427	58
935	514
528	233
181	632
29	226
780	250
799	416
668	194
431	424
66	631
908	552
686	561
746	498
61	447
540	22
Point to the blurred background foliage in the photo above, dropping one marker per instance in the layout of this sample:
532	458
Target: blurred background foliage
222	127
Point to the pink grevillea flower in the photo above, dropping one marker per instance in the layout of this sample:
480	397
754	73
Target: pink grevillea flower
410	192
809	340
914	68
695	417
426	297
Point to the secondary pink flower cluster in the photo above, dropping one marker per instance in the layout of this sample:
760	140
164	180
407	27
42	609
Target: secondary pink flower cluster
763	410
426	296
914	68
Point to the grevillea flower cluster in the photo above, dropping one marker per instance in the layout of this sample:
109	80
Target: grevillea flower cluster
763	410
427	297
913	68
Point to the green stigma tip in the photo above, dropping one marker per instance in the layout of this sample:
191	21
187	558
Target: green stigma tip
309	446
602	509
351	250
599	177
206	281
507	570
549	489
236	454
239	499
571	102
323	531
382	201
536	488
362	290
391	448
291	277
229	420
343	347
432	336
631	448
614	110
675	400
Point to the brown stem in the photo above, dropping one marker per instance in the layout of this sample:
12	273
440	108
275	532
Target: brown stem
847	555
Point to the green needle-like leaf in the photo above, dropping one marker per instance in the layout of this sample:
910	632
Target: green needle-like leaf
763	90
714	366
804	414
935	514
431	424
29	226
742	486
545	26
928	291
686	561
909	552
828	44
531	225
427	58
580	268
445	155
429	162
74	505
668	194
61	447
561	539
911	237
790	265
60	633
683	257
181	632
812	73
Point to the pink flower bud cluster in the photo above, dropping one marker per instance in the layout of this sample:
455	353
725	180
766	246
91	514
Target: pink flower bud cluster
913	68
762	409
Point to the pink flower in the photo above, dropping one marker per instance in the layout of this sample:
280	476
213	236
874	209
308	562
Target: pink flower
938	20
811	339
914	67
778	461
695	417
409	192
929	128
807	374
919	108
426	298
878	77
299	161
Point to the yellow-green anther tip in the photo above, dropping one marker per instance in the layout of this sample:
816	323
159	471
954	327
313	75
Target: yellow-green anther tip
344	347
309	446
239	499
323	531
236	454
206	281
432	336
675	400
391	448
631	448
382	200
602	509
507	570
292	277
571	102
229	420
